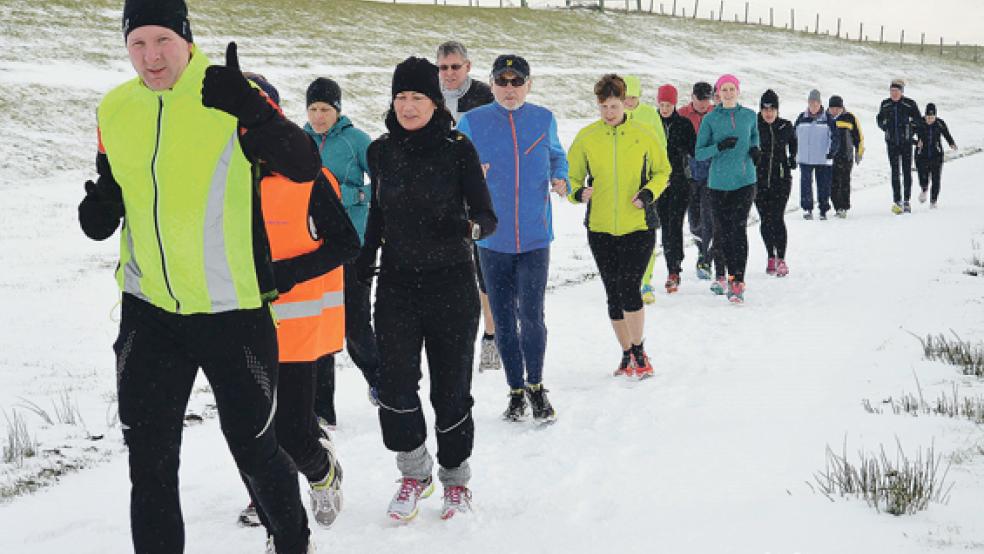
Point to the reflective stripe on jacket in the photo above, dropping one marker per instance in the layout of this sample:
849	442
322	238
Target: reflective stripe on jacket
187	240
312	314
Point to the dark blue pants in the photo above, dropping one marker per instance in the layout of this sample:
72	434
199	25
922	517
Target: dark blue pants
900	161
516	284
824	177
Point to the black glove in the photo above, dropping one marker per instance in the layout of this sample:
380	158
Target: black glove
225	88
792	164
101	209
284	277
755	153
646	196
830	155
727	144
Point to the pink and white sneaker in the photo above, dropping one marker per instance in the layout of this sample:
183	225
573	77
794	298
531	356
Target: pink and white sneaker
770	268
403	507
782	269
457	499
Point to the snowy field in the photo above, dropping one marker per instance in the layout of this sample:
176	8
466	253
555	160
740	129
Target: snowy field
712	455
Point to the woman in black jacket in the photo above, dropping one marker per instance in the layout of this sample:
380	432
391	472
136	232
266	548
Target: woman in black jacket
929	137
429	201
776	161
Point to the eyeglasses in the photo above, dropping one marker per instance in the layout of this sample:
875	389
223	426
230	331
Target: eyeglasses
452	67
515	81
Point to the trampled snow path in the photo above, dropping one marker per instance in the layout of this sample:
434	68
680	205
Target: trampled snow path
711	455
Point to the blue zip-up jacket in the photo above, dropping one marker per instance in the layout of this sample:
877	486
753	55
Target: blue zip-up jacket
733	168
522	151
343	151
818	138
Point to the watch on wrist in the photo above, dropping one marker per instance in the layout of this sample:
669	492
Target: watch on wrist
476	231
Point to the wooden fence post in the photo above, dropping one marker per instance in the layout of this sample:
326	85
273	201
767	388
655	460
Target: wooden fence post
838	27
746	13
922	42
881	35
772	18
956	50
816	30
696	3
674	8
901	38
941	45
860	31
721	11
792	19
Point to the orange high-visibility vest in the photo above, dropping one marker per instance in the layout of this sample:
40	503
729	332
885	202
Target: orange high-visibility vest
312	315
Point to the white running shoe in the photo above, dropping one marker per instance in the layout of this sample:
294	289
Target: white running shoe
403	507
457	500
489	359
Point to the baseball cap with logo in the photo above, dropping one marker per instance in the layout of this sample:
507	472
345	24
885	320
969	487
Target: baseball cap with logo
510	62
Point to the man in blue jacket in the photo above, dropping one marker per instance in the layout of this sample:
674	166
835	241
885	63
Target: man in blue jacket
520	150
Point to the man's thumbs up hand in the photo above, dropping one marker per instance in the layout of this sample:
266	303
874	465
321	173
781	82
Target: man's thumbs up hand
225	88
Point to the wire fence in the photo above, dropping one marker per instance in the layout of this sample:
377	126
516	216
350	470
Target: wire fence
798	21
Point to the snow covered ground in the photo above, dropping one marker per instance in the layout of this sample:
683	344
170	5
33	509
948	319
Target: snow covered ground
712	455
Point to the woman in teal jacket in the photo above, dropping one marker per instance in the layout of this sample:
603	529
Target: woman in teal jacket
343	151
729	138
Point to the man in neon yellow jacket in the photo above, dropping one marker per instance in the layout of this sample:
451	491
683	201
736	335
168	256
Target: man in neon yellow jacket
177	148
619	168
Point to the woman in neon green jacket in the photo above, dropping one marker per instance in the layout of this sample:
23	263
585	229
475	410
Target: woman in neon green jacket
618	168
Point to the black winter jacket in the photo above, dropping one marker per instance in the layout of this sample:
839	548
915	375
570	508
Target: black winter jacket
479	94
778	145
898	119
426	187
851	137
680	140
930	136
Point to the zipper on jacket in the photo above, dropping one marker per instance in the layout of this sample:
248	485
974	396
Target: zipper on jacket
512	125
772	152
615	174
157	222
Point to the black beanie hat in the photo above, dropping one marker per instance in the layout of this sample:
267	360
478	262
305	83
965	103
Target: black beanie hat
325	90
172	14
418	75
835	102
769	100
264	85
930	109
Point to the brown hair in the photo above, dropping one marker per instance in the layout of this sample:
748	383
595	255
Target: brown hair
610	85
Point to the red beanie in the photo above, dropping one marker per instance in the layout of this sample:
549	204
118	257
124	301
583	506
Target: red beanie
667	93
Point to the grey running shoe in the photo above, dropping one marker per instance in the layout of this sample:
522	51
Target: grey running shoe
457	499
489	358
326	495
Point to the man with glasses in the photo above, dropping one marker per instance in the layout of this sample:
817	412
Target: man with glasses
462	93
519	147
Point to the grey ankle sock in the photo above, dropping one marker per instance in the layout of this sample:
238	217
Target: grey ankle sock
455	477
416	464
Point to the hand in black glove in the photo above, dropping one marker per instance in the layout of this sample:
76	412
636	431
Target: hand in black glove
225	88
727	144
792	164
755	153
284	277
830	155
101	209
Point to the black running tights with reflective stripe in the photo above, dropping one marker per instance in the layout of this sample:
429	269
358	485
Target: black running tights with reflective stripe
622	261
731	209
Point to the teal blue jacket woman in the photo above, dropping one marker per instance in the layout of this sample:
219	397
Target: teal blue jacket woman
343	151
731	168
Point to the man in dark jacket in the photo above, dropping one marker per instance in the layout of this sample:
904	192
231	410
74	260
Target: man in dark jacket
898	117
672	204
929	153
850	150
461	94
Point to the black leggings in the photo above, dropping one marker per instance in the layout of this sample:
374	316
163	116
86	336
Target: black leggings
770	202
671	207
930	170
622	261
731	209
840	185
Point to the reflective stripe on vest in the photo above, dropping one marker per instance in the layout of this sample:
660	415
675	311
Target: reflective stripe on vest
312	314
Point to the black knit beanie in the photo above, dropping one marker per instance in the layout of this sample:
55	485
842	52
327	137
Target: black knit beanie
418	75
835	102
769	100
931	109
265	85
172	14
325	90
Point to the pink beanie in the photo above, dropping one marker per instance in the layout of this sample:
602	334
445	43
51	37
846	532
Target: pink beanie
727	78
667	93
